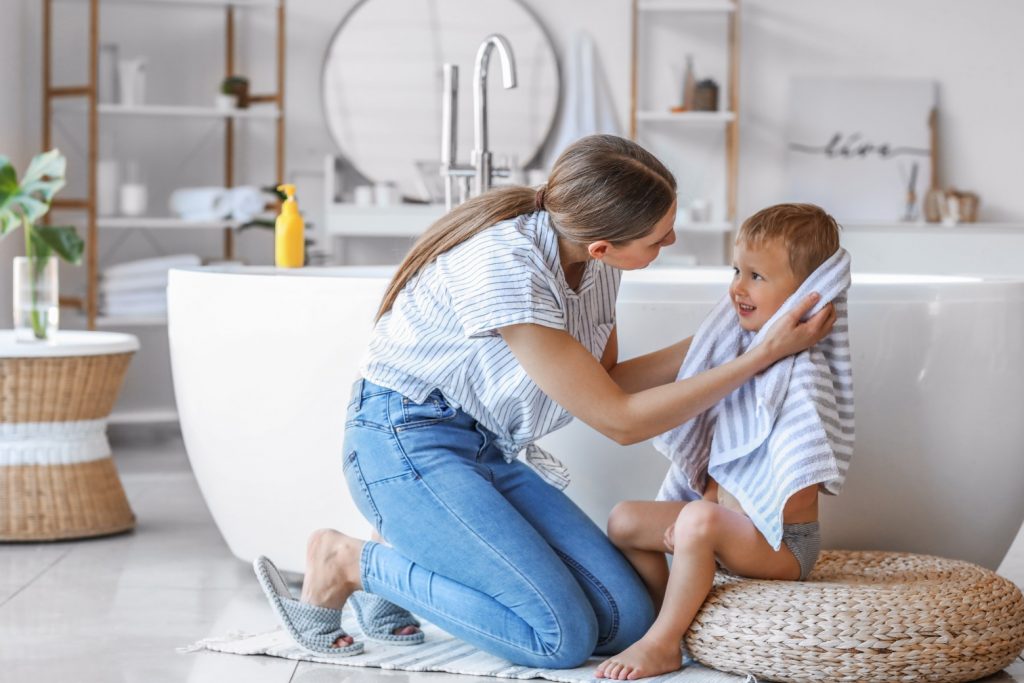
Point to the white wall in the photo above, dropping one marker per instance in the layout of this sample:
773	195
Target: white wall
973	49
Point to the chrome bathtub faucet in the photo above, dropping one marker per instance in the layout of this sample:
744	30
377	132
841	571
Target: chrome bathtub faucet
458	178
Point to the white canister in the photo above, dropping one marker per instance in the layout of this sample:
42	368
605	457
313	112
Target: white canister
385	194
131	77
108	177
133	199
362	195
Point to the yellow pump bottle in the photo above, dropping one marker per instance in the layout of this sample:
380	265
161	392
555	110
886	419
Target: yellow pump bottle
289	233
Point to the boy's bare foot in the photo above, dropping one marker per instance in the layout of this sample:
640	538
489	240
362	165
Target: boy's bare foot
332	571
646	657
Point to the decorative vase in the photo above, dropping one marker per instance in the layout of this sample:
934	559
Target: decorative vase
36	298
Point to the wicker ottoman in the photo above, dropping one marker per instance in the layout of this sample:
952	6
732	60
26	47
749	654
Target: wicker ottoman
57	479
863	616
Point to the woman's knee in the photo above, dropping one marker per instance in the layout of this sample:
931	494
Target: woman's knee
571	644
631	614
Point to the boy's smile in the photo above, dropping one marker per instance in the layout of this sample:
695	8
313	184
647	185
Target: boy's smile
761	283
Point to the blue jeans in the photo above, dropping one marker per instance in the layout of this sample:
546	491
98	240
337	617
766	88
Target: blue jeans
482	547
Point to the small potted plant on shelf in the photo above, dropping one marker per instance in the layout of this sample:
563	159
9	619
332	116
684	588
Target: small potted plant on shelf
238	87
36	294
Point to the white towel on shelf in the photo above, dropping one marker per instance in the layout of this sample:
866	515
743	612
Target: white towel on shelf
787	428
240	203
200	203
588	107
145	297
150	266
136	283
245	202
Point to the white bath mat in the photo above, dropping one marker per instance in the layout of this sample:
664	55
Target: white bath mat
441	652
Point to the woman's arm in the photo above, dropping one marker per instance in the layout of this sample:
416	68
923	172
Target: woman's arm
569	374
650	370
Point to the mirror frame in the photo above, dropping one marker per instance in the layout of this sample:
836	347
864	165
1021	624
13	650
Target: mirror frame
344	159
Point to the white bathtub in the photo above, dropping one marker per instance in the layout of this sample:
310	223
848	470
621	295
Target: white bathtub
263	361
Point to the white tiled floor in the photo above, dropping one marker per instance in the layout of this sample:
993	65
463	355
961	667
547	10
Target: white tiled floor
115	609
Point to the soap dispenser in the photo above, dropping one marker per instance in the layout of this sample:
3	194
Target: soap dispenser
289	237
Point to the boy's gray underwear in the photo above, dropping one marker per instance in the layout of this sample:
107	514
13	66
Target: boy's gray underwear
804	541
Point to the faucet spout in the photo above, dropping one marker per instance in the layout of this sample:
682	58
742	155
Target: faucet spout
481	153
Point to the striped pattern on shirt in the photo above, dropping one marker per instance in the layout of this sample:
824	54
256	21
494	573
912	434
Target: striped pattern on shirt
787	428
442	332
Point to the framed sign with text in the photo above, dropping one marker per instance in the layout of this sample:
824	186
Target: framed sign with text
859	147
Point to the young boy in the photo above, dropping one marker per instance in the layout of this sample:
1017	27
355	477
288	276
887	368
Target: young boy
776	250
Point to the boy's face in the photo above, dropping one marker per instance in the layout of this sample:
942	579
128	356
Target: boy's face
761	282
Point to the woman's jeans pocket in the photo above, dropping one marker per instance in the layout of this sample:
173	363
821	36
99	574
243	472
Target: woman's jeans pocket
359	491
373	462
414	415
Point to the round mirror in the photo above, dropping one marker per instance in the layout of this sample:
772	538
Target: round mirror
382	86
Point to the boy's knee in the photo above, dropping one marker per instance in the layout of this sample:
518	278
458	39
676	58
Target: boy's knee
623	522
697	523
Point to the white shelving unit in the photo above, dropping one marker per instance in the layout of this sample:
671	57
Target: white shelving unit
654	127
85	99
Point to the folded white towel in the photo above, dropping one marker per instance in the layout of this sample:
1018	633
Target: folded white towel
129	283
154	308
200	203
150	266
786	429
150	297
245	202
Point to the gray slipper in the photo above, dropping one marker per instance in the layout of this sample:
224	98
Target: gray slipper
312	628
379	619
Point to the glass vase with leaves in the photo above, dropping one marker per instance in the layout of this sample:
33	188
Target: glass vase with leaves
23	204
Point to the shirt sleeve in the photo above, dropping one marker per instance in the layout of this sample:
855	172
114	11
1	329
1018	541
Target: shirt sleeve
497	279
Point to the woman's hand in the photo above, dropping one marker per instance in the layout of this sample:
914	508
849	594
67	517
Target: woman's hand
789	335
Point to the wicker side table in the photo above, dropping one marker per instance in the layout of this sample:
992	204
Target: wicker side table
57	476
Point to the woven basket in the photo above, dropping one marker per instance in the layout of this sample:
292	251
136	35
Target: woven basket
863	616
48	498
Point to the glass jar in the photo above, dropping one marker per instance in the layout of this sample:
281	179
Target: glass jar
36	298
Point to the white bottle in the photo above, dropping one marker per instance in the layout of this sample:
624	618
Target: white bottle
133	192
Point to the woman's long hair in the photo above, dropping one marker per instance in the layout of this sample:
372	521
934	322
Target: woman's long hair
602	187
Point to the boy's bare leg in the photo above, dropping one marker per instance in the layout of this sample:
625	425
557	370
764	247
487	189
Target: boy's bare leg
637	528
702	531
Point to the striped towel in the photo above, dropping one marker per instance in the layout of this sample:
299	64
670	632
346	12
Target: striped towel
786	429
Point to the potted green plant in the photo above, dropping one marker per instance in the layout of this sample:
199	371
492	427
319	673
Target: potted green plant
36	297
237	86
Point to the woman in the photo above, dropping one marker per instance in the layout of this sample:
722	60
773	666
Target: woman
498	328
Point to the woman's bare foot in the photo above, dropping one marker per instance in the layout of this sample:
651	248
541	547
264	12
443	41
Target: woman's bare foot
646	657
332	571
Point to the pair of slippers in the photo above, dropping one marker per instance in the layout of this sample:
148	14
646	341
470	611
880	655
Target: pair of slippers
317	628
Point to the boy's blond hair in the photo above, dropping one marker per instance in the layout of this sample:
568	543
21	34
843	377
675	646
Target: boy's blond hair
808	233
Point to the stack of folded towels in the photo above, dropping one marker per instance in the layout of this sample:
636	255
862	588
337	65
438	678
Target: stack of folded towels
217	203
139	288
